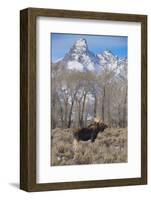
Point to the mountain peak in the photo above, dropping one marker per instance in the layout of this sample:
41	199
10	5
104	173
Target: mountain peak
81	42
80	46
108	52
80	55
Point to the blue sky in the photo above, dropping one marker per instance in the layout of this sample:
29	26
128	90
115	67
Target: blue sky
62	42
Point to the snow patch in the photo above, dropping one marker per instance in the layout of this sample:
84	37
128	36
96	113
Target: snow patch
90	67
74	65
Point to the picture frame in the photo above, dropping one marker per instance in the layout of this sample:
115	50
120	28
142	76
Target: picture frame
28	98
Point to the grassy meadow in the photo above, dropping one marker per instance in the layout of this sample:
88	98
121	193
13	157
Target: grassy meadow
109	147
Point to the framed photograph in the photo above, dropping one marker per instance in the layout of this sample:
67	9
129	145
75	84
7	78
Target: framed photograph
83	99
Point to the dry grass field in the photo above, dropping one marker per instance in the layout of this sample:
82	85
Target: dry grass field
109	147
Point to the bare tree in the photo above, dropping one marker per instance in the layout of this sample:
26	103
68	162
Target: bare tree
77	97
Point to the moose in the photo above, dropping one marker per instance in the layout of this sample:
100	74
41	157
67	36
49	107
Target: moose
90	132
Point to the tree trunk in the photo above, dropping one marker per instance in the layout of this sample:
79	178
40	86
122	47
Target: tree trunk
65	114
95	106
82	112
108	111
125	110
119	116
103	102
79	113
85	119
53	110
70	112
61	112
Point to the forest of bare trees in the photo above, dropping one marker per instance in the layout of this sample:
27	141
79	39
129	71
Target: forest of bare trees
77	97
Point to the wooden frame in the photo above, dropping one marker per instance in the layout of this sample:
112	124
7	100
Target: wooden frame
28	98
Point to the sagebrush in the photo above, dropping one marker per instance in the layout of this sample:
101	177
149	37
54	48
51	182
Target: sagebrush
109	147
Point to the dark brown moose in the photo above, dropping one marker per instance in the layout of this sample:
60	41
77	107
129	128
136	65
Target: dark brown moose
90	132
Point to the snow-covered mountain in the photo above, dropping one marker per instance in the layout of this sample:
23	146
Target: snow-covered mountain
107	57
82	59
113	62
